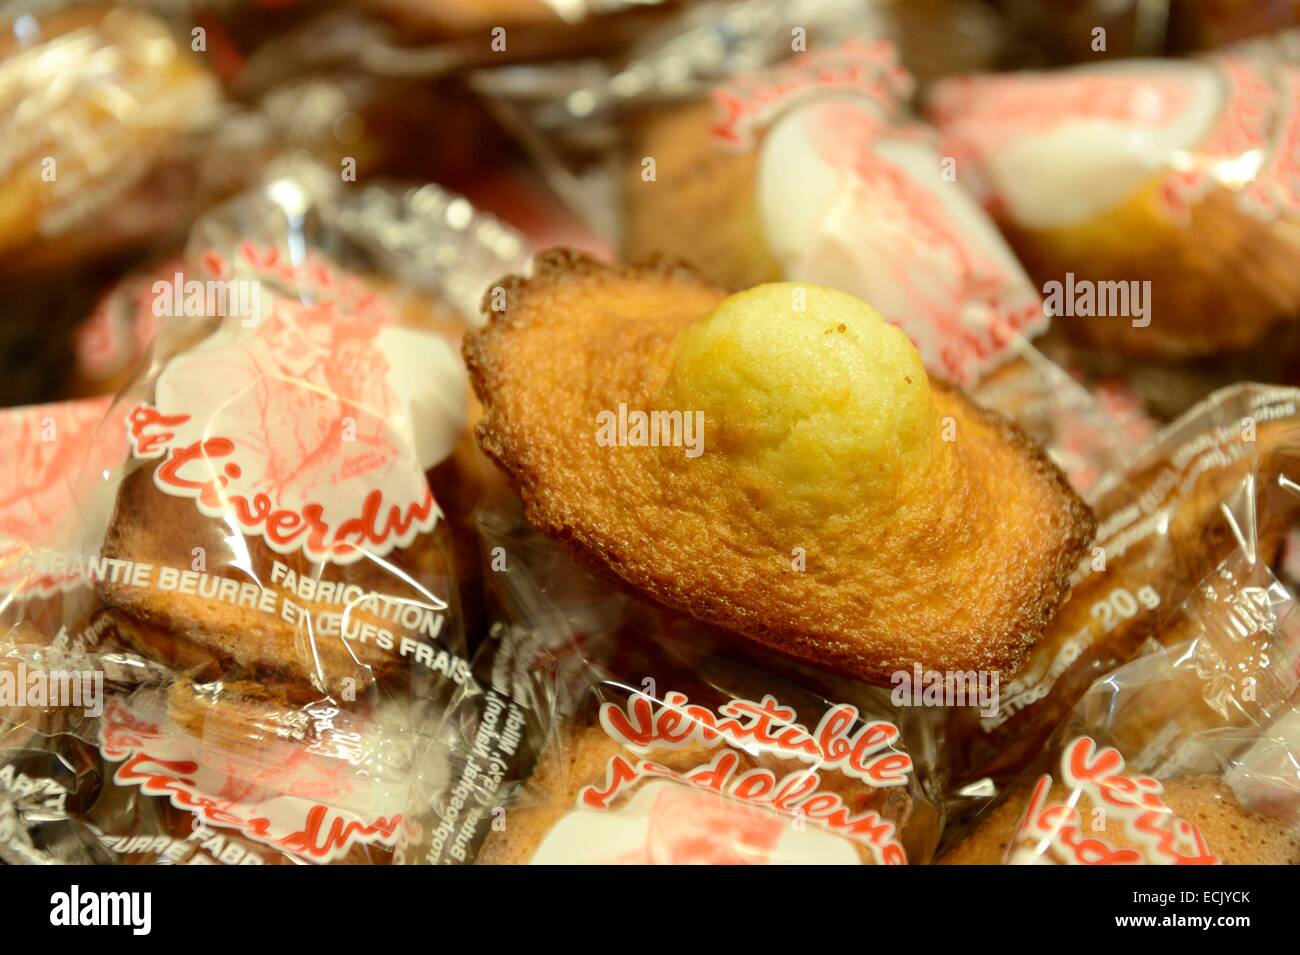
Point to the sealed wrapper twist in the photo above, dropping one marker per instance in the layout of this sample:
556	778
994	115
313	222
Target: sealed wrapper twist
607	732
1215	485
1185	756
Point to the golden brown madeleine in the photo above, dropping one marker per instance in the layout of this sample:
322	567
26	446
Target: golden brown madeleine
817	495
1219	281
1234	835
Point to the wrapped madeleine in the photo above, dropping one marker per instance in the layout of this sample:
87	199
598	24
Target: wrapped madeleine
1211	487
600	730
1154	201
812	171
262	556
1185	756
101	111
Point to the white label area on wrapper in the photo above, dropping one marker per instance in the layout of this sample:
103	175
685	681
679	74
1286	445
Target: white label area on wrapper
312	429
865	209
314	808
1065	147
1056	150
670	824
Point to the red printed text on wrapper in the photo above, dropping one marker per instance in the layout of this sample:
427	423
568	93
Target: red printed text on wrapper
288	428
840	743
1057	831
300	806
749	102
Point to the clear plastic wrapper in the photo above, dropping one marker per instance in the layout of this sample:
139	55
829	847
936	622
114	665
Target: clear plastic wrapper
105	112
417	42
119	136
432	240
1153	201
1091	431
1185	756
42	586
136	133
243	602
275	617
601	730
573	103
1216	485
114	339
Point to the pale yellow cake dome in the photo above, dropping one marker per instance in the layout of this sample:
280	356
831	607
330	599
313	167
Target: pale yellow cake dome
808	390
